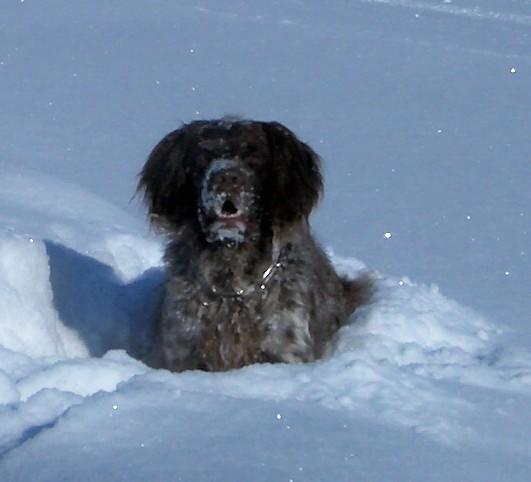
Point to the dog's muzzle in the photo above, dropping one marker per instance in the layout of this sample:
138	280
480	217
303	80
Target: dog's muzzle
227	200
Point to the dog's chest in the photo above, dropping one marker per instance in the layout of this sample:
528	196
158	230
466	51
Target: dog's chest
232	332
220	330
238	331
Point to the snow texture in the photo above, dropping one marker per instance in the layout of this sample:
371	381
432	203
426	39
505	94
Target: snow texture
420	109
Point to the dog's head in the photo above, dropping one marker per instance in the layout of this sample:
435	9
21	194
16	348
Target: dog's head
232	179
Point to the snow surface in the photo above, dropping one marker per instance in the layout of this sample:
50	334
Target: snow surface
421	110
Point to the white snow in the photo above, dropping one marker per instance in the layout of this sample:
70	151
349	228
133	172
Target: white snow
30	322
420	112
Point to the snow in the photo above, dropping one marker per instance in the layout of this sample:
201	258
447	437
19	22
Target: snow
420	109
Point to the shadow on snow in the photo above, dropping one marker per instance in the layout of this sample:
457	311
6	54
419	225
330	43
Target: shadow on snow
106	312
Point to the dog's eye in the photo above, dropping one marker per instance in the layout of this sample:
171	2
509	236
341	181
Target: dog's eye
254	161
202	160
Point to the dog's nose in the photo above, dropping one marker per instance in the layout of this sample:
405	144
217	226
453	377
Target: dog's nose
229	180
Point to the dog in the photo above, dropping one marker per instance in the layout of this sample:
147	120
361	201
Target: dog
246	281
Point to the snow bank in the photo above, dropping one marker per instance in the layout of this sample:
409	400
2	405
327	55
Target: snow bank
29	320
82	377
114	415
77	299
71	271
59	304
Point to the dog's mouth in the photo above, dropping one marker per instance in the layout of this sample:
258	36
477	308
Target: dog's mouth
227	217
229	211
234	215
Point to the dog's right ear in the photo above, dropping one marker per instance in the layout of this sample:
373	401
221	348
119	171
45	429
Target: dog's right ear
162	181
297	180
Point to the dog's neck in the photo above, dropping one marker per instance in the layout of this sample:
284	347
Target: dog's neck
232	271
236	271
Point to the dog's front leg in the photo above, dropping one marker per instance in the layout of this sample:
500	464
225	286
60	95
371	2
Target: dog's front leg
289	339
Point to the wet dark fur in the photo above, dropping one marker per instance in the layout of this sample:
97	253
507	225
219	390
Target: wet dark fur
291	316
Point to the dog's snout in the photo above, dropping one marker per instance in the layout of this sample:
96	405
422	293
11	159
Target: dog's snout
227	191
229	180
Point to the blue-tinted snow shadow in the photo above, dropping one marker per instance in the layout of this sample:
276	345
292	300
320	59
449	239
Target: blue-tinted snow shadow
105	312
27	434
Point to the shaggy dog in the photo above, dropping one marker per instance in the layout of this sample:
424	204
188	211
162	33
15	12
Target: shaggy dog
246	282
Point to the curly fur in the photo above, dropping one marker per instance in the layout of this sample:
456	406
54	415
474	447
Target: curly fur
246	281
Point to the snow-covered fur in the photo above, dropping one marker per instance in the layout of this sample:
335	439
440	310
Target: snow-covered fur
246	281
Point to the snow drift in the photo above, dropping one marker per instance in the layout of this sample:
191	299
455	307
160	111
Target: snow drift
72	295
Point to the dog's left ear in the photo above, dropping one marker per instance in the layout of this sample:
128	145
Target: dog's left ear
163	178
297	181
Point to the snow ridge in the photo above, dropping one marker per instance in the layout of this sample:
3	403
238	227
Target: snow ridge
446	7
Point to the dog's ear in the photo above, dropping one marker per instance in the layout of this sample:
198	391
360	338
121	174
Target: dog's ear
296	174
163	178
